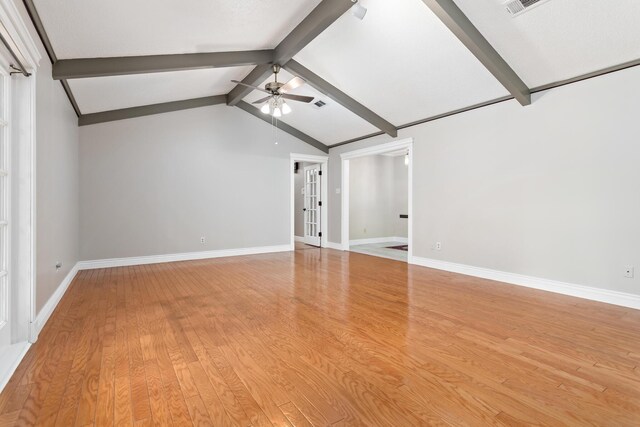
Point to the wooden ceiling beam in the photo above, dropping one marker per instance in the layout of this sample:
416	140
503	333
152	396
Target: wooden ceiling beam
315	23
283	126
340	97
123	65
458	23
147	110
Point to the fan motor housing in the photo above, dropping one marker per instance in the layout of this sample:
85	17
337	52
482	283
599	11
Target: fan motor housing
273	86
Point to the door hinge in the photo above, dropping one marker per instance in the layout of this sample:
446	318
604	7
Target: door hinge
320	234
319	172
320	203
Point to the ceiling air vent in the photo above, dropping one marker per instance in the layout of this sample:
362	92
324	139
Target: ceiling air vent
518	7
319	104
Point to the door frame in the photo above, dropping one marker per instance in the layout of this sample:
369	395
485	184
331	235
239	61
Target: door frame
370	151
324	183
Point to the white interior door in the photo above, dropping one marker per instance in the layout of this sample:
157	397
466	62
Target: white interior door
312	203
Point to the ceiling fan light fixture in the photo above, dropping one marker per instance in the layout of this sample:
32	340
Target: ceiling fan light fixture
358	10
265	108
285	108
277	112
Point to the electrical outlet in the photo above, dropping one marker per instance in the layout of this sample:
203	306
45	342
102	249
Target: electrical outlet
628	271
202	240
337	191
438	246
364	230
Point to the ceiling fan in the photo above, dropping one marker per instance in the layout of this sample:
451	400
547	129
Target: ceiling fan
275	103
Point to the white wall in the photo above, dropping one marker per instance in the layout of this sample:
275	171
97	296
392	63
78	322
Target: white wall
57	206
57	190
377	196
154	185
370	187
549	190
400	204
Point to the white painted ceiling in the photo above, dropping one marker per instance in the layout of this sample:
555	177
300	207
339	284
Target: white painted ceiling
560	39
102	28
400	61
112	93
329	124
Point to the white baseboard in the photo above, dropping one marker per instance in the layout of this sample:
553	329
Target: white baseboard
401	239
187	256
378	240
580	291
51	304
10	358
298	239
332	245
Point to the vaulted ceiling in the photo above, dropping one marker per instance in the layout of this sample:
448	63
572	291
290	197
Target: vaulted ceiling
406	61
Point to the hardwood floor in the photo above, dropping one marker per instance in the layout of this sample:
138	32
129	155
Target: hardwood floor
302	246
321	337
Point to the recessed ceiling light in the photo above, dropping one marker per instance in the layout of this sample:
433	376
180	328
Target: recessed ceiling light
358	10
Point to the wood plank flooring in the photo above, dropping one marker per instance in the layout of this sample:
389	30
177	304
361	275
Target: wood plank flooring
321	337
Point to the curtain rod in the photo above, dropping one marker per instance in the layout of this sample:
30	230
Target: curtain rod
20	68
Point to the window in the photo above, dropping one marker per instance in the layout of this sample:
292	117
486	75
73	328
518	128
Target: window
5	81
17	198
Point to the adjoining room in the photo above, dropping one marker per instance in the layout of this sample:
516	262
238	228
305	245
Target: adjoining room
379	205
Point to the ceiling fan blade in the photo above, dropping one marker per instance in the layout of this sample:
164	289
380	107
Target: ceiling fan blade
260	101
298	98
292	84
251	86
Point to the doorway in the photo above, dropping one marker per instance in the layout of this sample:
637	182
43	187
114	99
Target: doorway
308	209
377	200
